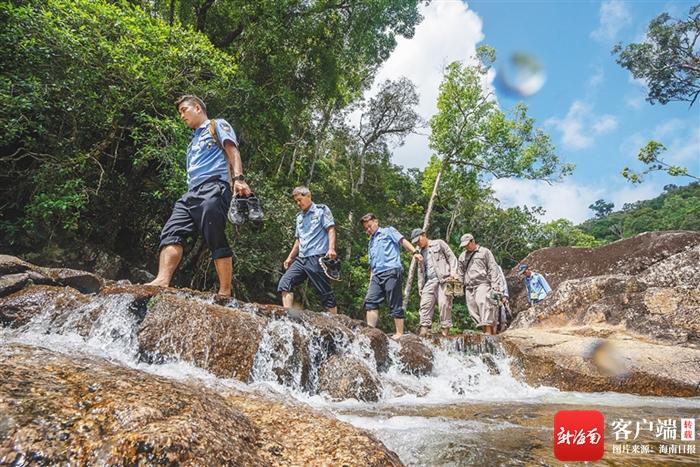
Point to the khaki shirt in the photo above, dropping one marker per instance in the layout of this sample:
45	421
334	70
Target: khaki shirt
483	269
441	259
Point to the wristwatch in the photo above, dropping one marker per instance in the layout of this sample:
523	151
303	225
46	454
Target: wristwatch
239	178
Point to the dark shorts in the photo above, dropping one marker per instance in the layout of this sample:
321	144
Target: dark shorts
201	210
386	284
308	268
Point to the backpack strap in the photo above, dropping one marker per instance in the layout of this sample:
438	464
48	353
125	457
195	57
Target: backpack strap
215	137
214	134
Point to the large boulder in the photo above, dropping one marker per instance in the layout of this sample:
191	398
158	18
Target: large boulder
56	303
219	339
346	377
61	410
379	343
576	359
414	356
631	256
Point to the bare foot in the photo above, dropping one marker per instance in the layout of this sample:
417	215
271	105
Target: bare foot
158	283
445	332
397	336
224	293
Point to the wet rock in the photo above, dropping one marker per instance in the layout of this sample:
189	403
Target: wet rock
61	410
13	265
379	343
83	281
490	363
477	343
18	309
414	356
13	282
140	276
221	340
332	334
285	349
346	377
355	325
571	362
293	434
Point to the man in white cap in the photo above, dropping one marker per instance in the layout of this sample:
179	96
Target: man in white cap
479	272
439	266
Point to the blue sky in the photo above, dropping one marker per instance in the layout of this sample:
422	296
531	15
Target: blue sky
592	108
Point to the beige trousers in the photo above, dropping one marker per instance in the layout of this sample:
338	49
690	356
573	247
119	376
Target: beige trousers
433	292
480	306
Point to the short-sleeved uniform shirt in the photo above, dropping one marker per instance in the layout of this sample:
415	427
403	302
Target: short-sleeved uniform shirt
385	249
205	158
312	230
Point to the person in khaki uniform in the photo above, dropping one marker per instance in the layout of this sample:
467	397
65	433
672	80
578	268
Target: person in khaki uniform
479	273
439	266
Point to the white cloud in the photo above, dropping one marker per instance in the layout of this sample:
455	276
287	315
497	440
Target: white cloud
604	124
561	200
581	124
631	193
570	200
448	32
597	78
635	102
614	16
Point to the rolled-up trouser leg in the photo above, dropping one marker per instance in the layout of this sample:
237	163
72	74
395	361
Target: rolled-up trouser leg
445	306
429	295
472	305
487	309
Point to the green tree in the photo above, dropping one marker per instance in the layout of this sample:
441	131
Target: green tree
650	156
471	132
668	60
601	208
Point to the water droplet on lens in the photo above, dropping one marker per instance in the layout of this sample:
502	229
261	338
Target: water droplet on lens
521	75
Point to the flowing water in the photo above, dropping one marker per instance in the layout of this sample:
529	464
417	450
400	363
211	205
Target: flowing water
469	411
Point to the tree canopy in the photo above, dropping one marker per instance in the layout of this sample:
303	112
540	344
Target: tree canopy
668	60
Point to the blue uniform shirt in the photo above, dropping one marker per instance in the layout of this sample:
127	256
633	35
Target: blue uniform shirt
384	249
205	159
537	288
312	230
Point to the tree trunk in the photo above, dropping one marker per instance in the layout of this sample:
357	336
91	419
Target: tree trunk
426	224
453	218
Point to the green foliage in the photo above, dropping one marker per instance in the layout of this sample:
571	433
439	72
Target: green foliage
601	208
87	89
668	60
649	155
470	130
562	232
678	208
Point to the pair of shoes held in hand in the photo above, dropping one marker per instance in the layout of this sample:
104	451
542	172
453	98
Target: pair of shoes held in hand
245	208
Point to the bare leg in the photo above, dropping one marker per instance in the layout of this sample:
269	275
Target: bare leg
170	256
398	323
333	310
372	317
445	332
224	269
287	299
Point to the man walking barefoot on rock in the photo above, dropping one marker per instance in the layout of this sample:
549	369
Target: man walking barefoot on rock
479	272
203	208
315	237
386	274
439	266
